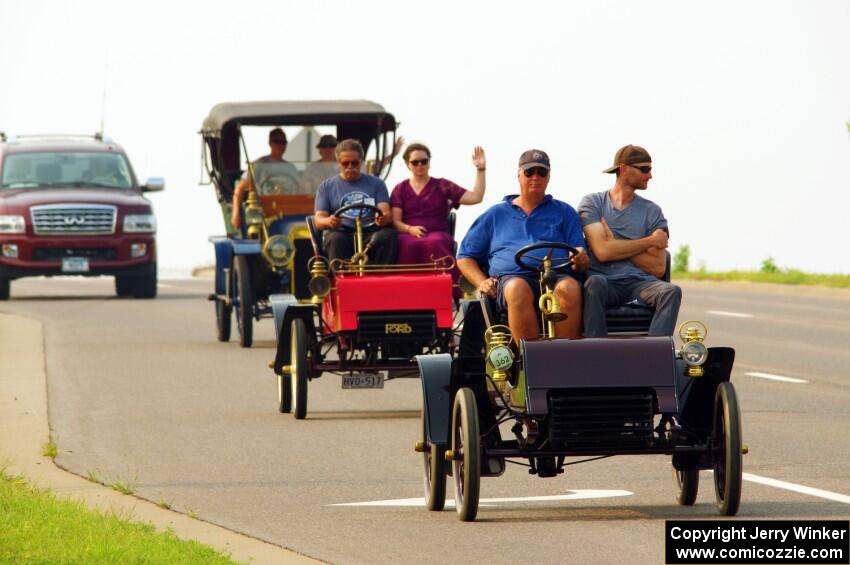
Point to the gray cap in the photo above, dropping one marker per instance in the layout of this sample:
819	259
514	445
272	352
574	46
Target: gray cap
534	158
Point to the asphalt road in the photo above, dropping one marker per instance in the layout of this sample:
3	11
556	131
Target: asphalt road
140	392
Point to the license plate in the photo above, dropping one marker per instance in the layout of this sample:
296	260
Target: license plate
363	380
75	265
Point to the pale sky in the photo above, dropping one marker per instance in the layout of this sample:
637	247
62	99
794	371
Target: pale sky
741	104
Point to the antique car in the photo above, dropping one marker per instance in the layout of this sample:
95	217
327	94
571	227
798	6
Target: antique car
72	205
269	252
590	398
365	322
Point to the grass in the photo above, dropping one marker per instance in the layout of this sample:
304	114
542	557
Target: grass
36	527
789	277
49	449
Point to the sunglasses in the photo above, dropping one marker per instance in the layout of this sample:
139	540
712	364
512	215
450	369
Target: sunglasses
645	169
417	162
278	142
539	171
348	164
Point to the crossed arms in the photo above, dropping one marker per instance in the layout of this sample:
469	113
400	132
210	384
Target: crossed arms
646	253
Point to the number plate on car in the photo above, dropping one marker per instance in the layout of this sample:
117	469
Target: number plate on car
75	265
363	380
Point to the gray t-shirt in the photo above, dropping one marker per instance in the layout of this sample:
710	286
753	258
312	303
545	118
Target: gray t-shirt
639	219
335	192
273	177
316	172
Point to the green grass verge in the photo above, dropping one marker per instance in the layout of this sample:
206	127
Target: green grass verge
37	527
791	276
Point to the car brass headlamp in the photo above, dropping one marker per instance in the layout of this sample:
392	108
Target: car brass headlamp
278	250
694	352
320	283
500	357
253	215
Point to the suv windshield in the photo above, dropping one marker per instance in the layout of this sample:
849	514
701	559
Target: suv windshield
72	169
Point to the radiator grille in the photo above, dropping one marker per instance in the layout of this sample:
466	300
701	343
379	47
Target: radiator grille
601	418
73	219
396	327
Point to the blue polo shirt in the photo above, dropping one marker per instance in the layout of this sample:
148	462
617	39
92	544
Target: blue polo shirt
500	231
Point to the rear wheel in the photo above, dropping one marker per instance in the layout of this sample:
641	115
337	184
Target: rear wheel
244	301
728	459
466	447
435	472
223	314
5	289
687	485
284	394
298	368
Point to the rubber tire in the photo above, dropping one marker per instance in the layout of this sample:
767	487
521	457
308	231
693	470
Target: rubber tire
687	486
223	319
5	289
245	309
728	463
298	361
434	473
466	472
284	394
123	287
145	286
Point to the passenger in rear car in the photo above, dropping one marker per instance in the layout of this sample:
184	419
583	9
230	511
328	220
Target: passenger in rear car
628	236
532	216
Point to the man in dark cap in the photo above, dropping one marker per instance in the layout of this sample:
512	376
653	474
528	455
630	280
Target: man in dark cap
532	216
325	167
627	235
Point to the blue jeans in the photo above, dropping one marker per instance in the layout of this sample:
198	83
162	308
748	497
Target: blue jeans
601	293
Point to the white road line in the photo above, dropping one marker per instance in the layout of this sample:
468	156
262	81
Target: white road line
780	378
574	495
834	496
728	314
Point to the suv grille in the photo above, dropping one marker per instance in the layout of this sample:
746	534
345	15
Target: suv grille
73	219
601	418
57	253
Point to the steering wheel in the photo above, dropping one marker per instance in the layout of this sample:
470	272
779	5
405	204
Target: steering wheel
360	206
560	264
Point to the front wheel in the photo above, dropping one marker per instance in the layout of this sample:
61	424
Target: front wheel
244	293
434	472
284	394
687	485
223	314
5	289
728	460
298	368
466	448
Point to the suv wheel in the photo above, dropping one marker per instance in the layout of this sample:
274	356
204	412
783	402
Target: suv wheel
145	286
124	286
4	289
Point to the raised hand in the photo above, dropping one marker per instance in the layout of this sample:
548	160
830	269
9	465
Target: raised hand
478	158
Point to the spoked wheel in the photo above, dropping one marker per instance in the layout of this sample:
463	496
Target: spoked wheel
244	294
728	458
223	314
284	394
434	472
466	447
298	369
687	485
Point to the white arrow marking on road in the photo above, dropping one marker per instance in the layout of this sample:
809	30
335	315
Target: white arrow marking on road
575	495
798	488
729	314
770	377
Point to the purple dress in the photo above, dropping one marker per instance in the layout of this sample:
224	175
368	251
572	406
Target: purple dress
430	209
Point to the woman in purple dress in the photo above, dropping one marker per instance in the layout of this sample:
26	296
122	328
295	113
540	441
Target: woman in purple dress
421	206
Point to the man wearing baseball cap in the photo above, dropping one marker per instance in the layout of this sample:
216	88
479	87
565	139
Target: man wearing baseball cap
325	167
532	216
627	235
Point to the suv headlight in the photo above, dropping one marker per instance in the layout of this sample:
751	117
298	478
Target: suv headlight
12	224
139	223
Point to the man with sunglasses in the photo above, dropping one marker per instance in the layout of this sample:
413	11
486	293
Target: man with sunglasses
532	216
354	187
627	235
272	174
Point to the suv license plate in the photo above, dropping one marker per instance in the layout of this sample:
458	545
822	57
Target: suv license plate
363	380
75	265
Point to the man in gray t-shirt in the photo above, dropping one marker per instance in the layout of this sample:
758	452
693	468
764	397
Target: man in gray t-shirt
353	187
627	236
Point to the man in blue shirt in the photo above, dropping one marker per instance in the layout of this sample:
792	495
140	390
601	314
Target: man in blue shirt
532	216
353	187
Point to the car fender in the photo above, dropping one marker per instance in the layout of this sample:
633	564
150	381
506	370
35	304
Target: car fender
223	260
697	395
285	308
436	375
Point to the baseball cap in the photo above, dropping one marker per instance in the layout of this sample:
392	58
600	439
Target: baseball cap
534	158
327	141
277	133
629	155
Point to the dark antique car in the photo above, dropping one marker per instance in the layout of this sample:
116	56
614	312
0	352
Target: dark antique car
589	398
363	322
269	253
